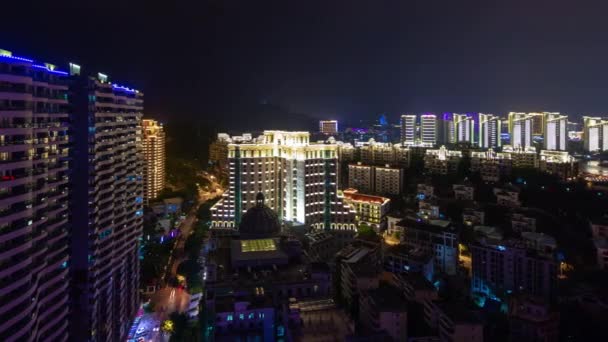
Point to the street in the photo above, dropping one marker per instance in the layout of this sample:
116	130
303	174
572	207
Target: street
170	299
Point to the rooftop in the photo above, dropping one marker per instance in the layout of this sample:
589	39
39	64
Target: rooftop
354	195
416	280
388	298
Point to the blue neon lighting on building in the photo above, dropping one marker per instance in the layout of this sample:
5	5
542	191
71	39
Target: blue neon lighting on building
501	248
17	58
49	70
119	87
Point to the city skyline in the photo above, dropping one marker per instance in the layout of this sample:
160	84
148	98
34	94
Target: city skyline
312	68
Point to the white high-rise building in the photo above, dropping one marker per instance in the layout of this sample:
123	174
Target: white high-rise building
520	128
428	129
297	179
556	131
595	134
408	129
489	131
464	127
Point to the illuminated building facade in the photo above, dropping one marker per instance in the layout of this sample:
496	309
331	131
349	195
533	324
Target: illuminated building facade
521	126
464	128
370	210
441	161
106	207
489	131
298	180
556	132
34	259
328	126
595	134
428	130
154	158
408	129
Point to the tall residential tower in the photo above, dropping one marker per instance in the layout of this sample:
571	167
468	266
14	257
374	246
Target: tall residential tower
154	158
556	131
489	131
34	256
106	207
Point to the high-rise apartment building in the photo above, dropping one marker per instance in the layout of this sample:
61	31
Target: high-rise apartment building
328	126
106	207
464	128
595	134
555	131
489	131
298	180
154	158
538	123
521	126
445	129
428	130
34	257
408	129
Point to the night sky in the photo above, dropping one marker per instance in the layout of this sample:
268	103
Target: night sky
221	61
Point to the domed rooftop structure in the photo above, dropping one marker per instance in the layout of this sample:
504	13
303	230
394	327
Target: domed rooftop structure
259	221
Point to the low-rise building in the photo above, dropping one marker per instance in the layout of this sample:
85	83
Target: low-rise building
358	268
371	210
425	190
403	259
473	216
437	237
532	319
464	191
507	196
454	321
415	287
428	209
384	309
520	222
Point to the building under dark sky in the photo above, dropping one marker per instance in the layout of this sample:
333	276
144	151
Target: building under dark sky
329	59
